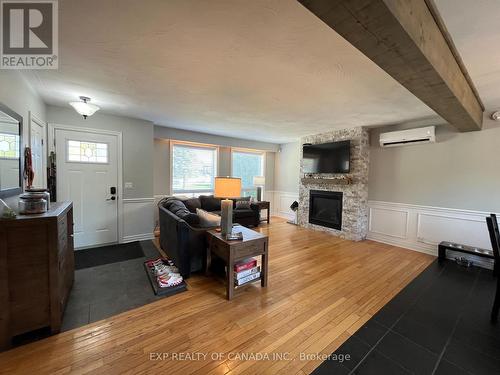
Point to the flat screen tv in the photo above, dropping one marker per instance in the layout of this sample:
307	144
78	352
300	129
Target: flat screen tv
331	157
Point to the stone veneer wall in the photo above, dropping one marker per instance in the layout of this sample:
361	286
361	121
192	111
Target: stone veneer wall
355	195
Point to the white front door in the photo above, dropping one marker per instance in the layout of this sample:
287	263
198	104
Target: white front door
87	175
37	153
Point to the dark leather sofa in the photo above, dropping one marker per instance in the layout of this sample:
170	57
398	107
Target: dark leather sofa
180	235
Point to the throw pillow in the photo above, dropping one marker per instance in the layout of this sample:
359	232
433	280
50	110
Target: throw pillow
209	203
192	204
207	220
243	205
240	199
179	209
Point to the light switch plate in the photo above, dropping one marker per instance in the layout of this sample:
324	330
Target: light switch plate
129	185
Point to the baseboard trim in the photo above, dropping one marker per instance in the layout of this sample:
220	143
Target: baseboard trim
283	215
138	200
427	249
138	237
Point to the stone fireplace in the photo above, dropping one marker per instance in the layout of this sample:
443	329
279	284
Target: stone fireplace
337	203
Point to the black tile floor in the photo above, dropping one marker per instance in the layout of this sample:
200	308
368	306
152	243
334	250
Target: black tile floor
103	291
438	324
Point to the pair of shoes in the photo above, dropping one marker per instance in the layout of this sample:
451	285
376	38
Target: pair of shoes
162	266
163	269
154	262
165	281
167	274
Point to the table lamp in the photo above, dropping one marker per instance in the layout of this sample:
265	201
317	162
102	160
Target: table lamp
259	181
226	188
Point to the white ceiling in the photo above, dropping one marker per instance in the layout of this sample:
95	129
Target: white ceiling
260	69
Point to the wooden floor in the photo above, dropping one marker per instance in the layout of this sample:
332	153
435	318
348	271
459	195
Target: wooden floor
321	289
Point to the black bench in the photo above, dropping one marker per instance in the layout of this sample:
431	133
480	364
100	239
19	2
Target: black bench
485	253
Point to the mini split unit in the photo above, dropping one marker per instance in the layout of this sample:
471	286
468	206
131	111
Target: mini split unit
408	137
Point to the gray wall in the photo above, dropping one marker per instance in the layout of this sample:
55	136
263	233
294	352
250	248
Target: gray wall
461	170
224	161
161	167
137	145
287	168
18	95
189	136
162	154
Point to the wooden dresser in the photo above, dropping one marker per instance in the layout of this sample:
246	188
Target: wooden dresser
36	271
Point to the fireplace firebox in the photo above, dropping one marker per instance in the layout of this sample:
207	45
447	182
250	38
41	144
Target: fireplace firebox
325	208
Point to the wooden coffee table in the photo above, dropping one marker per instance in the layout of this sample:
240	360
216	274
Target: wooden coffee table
253	244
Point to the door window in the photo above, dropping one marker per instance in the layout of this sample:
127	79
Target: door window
87	152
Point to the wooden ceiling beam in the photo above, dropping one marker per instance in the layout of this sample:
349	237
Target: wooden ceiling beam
407	39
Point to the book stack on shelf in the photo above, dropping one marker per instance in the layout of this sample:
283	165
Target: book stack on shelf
246	271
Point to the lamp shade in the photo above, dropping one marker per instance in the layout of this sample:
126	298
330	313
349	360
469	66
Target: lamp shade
227	187
84	109
259	180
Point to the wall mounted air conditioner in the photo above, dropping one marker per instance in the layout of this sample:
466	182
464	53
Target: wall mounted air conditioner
408	137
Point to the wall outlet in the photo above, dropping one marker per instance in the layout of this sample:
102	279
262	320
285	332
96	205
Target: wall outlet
129	185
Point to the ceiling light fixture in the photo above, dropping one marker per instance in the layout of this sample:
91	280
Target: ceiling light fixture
495	116
84	108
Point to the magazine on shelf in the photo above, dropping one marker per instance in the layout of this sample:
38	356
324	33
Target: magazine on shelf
245	264
247	279
244	273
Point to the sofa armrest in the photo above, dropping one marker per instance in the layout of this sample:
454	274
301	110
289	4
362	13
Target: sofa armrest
184	244
256	209
173	240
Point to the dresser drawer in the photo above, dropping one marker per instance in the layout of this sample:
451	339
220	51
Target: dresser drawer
249	250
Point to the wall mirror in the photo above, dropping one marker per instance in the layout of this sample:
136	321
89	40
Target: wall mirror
11	125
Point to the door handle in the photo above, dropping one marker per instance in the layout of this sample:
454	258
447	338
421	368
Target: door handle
111	199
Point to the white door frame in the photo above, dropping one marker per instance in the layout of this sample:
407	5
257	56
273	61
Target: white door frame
51	147
43	125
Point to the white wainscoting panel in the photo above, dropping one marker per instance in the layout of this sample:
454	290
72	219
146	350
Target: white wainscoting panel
280	203
138	219
389	222
469	230
421	228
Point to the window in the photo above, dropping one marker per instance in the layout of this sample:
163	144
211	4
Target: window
87	152
247	165
193	169
9	146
